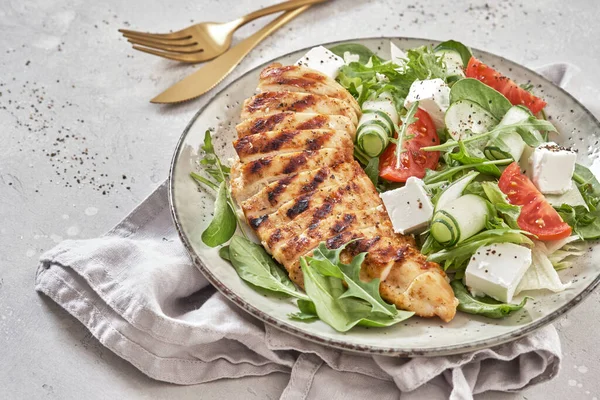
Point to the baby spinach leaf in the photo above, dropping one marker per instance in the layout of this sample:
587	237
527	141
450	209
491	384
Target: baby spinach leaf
372	170
224	222
224	253
363	52
324	292
588	186
453	45
254	265
485	306
478	92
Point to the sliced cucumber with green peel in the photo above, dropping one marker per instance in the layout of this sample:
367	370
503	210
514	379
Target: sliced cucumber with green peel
508	145
459	220
464	118
375	129
453	61
455	190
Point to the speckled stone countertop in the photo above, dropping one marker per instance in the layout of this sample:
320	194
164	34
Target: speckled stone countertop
81	146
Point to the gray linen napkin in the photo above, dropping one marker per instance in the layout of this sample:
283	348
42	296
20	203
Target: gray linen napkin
138	293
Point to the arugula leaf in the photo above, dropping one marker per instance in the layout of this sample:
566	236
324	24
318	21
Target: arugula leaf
529	130
448	172
407	120
509	212
453	45
465	158
363	52
364	81
327	263
485	306
586	224
341	308
224	223
372	170
475	188
456	258
254	265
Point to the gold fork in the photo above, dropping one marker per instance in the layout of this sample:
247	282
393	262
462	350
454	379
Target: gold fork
204	41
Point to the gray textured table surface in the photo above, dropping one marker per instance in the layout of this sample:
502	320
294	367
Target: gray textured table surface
81	146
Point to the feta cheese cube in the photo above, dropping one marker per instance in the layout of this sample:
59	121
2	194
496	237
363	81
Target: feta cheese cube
497	269
409	207
552	168
433	96
322	60
397	55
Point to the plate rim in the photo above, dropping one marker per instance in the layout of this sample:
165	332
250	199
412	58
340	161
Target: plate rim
336	343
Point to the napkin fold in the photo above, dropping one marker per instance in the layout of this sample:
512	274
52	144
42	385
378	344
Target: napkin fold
139	294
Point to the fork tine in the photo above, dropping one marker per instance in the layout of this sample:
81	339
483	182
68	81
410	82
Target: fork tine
179	35
190	57
177	48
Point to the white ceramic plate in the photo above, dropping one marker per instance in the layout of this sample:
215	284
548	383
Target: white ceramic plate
192	209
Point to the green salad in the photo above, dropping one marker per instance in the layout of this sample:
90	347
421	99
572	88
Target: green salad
463	159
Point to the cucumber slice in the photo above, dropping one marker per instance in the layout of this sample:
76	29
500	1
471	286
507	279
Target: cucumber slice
455	190
373	140
515	114
385	105
464	115
459	220
374	131
508	145
453	61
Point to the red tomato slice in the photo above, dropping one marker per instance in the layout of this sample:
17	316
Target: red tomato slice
413	161
513	92
537	215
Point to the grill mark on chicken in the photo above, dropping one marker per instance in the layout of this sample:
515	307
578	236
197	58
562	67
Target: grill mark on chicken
247	144
323	204
299	207
314	123
251	147
255	223
282	184
268	200
258	165
268	123
346	221
297	161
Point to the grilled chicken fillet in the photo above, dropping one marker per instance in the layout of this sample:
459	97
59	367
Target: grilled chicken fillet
298	185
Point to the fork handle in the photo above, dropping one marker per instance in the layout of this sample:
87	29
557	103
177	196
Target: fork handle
284	6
